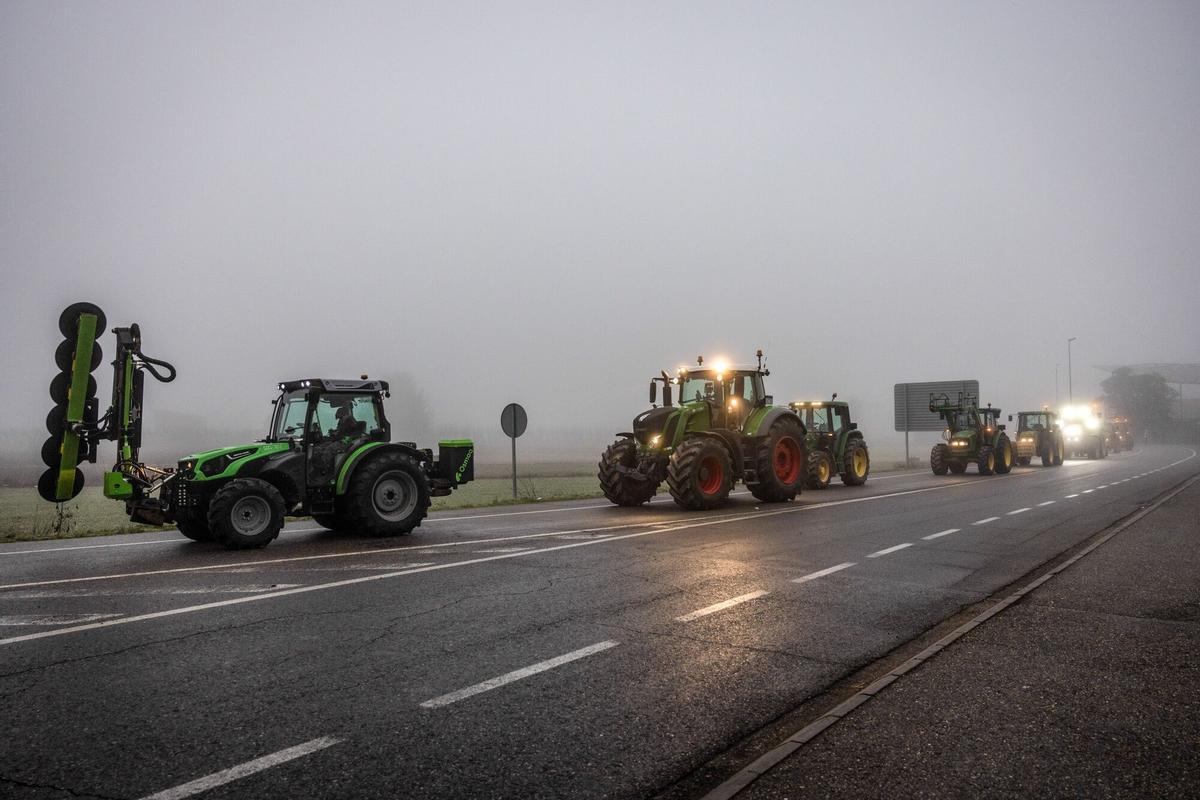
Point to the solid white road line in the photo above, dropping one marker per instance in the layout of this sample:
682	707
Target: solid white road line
823	572
1071	496
1102	486
721	606
1087	491
1047	503
52	619
940	534
985	520
892	549
242	770
48	594
516	675
1018	511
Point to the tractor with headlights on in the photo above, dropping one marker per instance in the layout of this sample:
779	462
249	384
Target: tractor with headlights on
716	426
1039	434
973	435
834	443
1083	430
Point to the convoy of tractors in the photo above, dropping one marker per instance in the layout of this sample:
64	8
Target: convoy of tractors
329	452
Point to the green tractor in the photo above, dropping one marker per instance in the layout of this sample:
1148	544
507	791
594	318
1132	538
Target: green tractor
834	444
973	435
328	453
1039	434
724	428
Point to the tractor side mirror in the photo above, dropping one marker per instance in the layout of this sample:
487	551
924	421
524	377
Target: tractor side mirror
1010	417
853	426
653	392
667	394
768	400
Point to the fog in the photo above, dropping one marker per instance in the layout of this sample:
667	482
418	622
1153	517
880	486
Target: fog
548	202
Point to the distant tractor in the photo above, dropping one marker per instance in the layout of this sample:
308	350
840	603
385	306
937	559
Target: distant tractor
328	452
1084	432
1120	437
724	428
1039	434
973	436
835	445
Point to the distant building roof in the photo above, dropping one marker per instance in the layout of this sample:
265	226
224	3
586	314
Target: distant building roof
1172	373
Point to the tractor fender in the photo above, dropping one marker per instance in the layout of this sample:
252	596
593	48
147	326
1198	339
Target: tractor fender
366	453
760	423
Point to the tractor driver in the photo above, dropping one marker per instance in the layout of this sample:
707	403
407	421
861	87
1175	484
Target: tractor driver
347	426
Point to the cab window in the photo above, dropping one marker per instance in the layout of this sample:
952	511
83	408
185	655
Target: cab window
342	416
820	421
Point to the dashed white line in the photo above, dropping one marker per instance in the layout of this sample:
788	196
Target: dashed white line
940	534
503	550
821	573
985	520
887	550
1102	486
1014	512
242	770
1087	491
1070	496
52	619
721	606
516	675
1047	503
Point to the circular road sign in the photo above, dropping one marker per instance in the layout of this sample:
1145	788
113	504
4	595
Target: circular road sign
513	420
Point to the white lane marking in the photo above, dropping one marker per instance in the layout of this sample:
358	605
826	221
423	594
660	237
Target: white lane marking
46	594
52	619
821	573
465	563
887	550
427	549
1047	503
178	540
503	550
985	520
1018	511
242	770
1087	491
1102	486
518	674
940	534
583	537
721	606
1068	497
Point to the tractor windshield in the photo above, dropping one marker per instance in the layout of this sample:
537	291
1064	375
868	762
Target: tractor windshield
702	386
290	411
961	420
1034	422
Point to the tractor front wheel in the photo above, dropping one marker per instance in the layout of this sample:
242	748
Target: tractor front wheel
246	513
700	474
780	464
196	529
987	460
820	471
937	459
857	464
389	495
1004	456
620	485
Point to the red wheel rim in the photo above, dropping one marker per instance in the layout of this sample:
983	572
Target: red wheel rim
712	475
787	460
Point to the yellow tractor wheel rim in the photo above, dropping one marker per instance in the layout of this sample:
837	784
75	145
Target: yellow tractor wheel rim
991	460
823	470
860	463
1007	456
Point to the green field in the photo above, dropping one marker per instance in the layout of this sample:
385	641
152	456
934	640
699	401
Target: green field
24	516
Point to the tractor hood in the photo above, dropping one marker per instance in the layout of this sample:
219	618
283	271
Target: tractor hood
216	463
651	423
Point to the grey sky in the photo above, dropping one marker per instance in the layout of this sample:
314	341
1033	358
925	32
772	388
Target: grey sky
550	202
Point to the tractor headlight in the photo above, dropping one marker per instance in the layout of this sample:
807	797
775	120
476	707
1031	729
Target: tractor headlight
1093	424
958	443
1073	431
1027	438
656	440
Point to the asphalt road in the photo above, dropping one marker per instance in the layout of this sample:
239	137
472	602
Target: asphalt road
572	649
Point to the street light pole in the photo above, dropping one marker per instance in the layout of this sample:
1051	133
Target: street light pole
1070	379
1057	367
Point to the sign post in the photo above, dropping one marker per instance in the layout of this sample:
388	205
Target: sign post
513	421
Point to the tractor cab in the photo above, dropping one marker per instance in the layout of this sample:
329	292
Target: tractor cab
1036	421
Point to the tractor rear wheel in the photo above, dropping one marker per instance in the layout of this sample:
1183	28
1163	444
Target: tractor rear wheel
820	471
1004	456
937	459
1060	451
245	513
779	464
388	495
1049	454
616	463
700	473
857	463
987	460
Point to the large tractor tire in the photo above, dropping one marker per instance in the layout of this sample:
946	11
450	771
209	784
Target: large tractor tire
1049	454
246	513
938	459
820	470
196	529
780	463
1060	448
388	495
987	460
957	467
857	463
618	460
1004	456
700	473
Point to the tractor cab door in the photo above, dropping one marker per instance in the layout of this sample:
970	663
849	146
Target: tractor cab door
742	396
339	423
823	425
